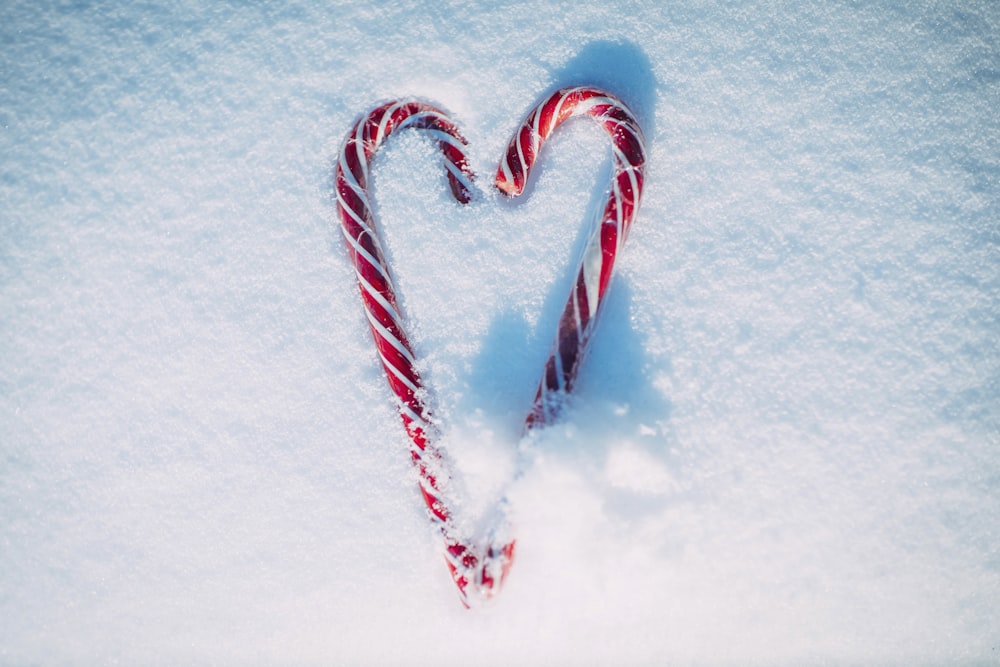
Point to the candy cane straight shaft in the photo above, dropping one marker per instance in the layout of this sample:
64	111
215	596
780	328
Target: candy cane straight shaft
628	160
480	568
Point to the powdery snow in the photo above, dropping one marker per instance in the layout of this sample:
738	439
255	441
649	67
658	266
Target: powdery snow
785	444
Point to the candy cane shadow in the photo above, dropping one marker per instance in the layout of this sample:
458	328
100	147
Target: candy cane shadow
615	424
613	435
615	399
614	429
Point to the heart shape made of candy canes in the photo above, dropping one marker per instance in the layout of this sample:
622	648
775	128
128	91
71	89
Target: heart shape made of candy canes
479	567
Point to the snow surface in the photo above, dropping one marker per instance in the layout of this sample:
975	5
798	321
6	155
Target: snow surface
785	443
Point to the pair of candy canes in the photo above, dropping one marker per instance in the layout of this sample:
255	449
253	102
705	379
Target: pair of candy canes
478	567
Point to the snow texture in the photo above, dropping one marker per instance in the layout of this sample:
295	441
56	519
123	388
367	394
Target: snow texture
785	444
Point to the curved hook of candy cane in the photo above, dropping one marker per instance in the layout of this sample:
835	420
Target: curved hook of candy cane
473	567
607	236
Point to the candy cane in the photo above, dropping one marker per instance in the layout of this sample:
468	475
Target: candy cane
480	568
628	157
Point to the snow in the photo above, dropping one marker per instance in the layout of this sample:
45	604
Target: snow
785	443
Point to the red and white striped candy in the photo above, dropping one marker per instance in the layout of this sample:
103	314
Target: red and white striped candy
472	566
628	159
479	568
